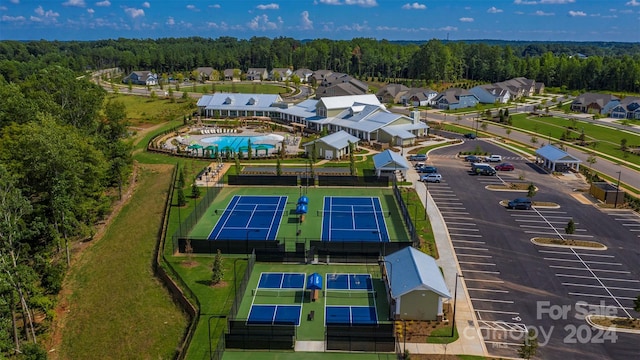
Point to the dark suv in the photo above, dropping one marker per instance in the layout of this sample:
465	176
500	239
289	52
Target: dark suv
520	204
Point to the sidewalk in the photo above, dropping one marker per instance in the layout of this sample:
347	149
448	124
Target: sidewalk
470	341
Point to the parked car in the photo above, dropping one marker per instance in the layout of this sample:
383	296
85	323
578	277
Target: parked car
520	204
505	167
482	169
494	158
470	135
418	157
435	177
419	165
473	159
427	169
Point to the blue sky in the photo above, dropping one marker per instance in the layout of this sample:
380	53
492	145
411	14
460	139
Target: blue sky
539	20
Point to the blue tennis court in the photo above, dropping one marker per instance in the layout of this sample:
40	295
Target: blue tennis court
281	281
351	315
249	218
349	282
358	218
275	314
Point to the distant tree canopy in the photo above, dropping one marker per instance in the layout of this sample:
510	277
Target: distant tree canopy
574	65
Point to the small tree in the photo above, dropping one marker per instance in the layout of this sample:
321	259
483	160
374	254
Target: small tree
217	269
623	144
531	190
236	158
636	304
352	161
195	190
508	131
570	228
180	183
182	199
530	345
483	126
278	168
249	150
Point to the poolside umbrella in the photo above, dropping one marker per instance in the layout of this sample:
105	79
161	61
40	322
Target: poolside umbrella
227	150
213	149
314	282
304	200
262	147
195	147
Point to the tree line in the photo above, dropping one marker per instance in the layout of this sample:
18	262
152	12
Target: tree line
63	149
575	66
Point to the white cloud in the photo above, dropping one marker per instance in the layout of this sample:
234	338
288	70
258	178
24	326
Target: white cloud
214	6
78	3
48	14
146	4
8	18
261	22
355	27
133	12
307	24
448	28
222	26
170	21
3	8
192	8
633	3
91	11
104	3
414	6
542	13
494	10
524	2
519	13
466	19
557	1
271	6
16	2
577	13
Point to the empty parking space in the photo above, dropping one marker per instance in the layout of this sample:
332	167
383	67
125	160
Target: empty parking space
628	219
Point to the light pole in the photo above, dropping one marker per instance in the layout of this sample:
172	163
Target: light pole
247	239
455	299
615	205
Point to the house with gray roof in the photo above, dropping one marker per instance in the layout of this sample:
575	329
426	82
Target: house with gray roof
332	146
415	285
303	74
232	74
419	97
388	163
205	73
556	160
338	84
491	94
392	93
594	103
628	108
257	74
146	78
280	74
455	98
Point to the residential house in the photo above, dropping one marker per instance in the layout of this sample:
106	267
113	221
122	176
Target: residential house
146	78
415	284
338	84
332	146
303	74
257	74
318	76
205	73
491	94
280	74
223	105
419	97
455	98
594	103
232	74
628	108
392	93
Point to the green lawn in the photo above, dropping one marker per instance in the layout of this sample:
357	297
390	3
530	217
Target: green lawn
243	88
144	111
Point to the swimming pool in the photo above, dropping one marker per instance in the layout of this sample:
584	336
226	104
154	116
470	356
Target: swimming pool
236	143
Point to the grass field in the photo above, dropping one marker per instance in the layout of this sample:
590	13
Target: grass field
311	227
144	111
117	309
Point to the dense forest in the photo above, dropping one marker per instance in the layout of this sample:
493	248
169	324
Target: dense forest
577	66
64	154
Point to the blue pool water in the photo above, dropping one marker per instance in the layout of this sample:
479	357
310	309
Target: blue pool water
236	142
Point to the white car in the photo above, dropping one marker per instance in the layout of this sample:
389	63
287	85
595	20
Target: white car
435	177
494	158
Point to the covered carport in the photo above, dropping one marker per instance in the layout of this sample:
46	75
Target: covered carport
389	162
556	160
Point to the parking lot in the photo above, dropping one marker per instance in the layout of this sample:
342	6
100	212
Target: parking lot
512	282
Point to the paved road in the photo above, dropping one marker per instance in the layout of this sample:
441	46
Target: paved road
515	285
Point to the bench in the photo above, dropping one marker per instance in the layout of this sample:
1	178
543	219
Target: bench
314	295
312	313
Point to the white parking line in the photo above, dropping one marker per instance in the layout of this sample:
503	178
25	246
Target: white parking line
635	224
493	300
590	270
555	233
488	290
598	286
540	221
469	241
601	278
461	223
440	206
484	280
456	217
476	263
604	296
596	255
463	229
474	255
498	312
453	212
589	262
470	248
555	252
467	235
482	272
498	344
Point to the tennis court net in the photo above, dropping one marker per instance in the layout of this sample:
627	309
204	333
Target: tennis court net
353	213
350	294
242	212
277	292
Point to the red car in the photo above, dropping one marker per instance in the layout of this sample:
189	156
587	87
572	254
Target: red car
505	167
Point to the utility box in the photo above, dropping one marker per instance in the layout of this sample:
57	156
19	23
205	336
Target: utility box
607	193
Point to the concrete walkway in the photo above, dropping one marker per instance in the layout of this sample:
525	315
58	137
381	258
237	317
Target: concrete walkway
470	340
